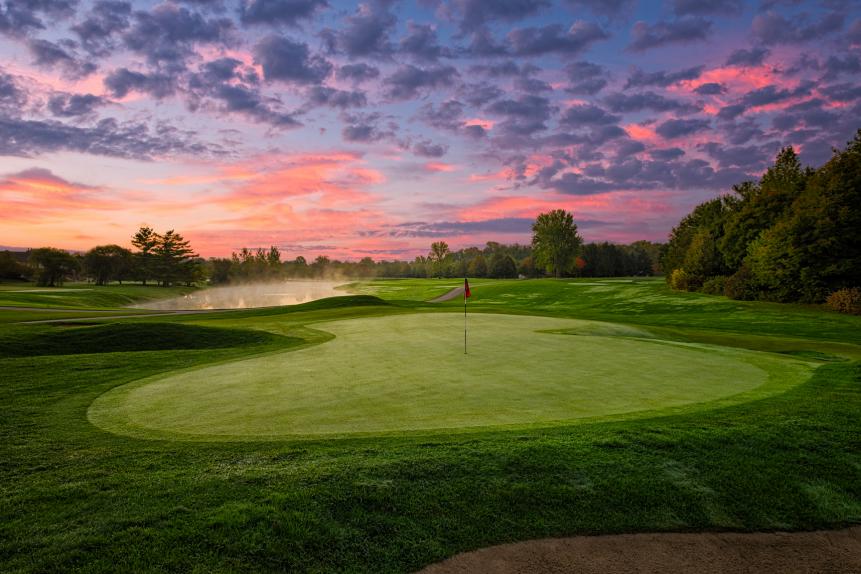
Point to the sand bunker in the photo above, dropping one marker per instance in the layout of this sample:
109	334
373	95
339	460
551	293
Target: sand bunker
835	551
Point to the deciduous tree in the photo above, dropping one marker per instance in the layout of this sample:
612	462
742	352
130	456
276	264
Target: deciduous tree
53	265
555	241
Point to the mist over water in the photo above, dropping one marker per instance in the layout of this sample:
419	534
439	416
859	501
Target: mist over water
247	296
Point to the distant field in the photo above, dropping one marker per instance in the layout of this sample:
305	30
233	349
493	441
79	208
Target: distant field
352	434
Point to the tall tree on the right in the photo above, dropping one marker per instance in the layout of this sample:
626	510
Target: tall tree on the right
555	241
815	247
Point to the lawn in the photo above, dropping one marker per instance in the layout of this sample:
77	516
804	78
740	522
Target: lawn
755	427
409	372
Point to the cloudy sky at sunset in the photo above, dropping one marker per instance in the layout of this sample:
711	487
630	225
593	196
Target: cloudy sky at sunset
372	129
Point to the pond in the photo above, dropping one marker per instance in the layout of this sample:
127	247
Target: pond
249	296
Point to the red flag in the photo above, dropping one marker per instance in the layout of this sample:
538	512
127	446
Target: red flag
466	291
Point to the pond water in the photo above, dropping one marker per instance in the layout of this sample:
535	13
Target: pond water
248	296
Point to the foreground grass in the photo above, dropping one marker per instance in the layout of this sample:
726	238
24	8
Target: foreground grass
74	497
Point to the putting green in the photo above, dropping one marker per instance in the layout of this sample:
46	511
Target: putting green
409	372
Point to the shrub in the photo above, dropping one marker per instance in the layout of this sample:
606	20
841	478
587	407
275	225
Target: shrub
740	285
845	301
714	286
679	280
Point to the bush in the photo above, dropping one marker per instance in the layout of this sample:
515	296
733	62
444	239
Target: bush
740	285
679	280
845	301
714	286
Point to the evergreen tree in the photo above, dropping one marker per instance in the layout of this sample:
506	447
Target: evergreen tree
174	259
146	241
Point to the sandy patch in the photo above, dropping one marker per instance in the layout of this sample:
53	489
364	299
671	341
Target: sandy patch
836	551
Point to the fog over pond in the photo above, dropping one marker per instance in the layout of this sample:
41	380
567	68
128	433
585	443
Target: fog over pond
247	296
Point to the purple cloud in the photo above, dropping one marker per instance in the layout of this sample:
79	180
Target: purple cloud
645	36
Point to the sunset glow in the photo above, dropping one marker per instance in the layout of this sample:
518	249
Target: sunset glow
347	130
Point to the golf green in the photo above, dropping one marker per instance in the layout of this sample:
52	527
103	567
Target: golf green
409	372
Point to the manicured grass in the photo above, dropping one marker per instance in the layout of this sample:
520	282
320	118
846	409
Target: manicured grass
82	295
409	372
635	301
119	337
75	497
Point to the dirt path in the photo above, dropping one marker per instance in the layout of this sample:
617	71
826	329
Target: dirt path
836	551
456	292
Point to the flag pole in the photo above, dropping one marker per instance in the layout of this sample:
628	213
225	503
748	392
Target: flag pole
464	315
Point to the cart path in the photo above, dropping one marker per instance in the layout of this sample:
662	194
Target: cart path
456	292
835	551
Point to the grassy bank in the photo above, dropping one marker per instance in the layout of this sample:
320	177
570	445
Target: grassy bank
79	498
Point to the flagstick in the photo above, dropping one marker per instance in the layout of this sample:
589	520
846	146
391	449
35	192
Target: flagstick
464	316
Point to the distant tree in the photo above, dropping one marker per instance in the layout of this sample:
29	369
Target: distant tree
555	241
502	266
708	216
174	259
146	241
274	257
439	251
299	266
11	267
220	270
365	267
527	267
647	257
478	266
320	266
53	265
106	263
459	267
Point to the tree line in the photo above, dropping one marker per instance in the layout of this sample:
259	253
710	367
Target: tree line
168	259
792	236
494	260
164	258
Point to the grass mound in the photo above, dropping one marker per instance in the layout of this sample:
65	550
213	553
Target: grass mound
121	337
85	296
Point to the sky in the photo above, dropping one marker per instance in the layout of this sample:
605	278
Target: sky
372	129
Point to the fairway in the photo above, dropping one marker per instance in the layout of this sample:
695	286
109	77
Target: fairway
408	372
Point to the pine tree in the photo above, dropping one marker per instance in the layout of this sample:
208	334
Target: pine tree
145	240
174	259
